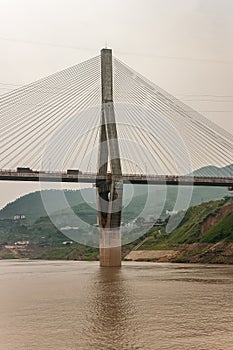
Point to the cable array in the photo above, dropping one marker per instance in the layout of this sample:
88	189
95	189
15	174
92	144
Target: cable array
53	125
33	115
168	136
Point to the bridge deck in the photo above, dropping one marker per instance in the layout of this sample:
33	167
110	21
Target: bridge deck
36	176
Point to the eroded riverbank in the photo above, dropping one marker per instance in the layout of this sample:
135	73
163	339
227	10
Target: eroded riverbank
218	253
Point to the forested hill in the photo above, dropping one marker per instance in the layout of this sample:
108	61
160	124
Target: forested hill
31	205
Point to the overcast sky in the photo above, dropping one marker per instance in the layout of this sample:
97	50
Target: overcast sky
184	46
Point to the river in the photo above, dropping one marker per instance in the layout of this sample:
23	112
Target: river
77	305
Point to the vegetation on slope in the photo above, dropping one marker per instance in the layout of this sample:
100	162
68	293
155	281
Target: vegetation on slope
31	205
190	229
222	231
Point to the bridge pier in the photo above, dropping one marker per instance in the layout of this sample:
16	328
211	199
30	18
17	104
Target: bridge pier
110	190
110	248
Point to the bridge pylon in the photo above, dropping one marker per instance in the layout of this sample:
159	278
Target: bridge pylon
109	190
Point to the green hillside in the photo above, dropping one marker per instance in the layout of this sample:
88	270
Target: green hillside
222	231
46	241
189	230
31	205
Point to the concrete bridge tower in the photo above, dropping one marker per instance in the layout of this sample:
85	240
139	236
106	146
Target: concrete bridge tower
110	190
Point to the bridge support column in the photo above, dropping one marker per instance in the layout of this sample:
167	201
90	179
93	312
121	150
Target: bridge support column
110	190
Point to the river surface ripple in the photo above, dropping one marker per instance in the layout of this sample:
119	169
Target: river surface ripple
80	306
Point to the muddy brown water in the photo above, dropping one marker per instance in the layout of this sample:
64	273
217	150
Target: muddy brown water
77	305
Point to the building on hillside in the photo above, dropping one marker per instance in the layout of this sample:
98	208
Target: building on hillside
22	243
19	217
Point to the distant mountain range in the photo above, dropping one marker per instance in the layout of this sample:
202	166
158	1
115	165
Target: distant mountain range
211	170
31	205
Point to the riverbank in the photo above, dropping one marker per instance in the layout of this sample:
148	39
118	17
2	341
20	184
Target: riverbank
218	253
37	252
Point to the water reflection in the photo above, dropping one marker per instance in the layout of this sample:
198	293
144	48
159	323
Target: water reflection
111	311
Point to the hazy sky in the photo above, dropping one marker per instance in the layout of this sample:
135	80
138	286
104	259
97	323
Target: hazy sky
184	46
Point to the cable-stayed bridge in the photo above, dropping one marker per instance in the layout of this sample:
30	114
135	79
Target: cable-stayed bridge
101	122
153	127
